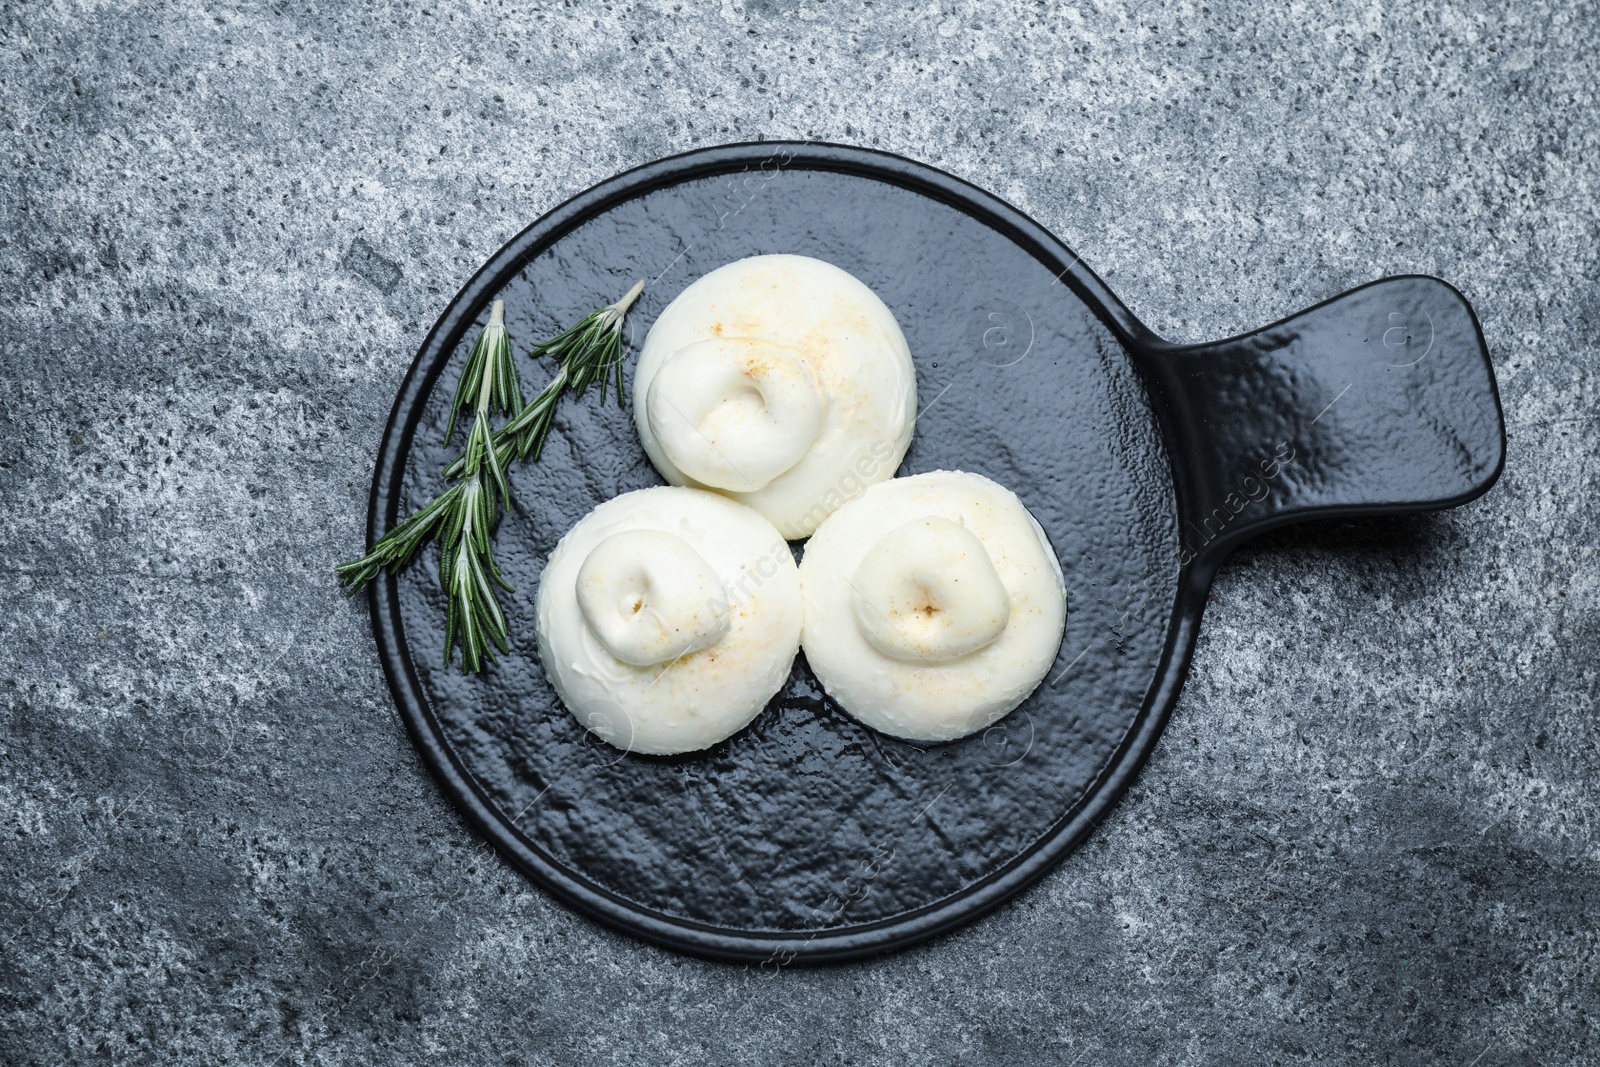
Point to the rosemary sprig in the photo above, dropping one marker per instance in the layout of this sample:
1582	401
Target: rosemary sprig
490	357
466	558
589	352
463	517
466	569
397	546
594	346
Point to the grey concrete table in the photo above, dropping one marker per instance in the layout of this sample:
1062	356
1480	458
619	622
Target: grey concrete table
1369	834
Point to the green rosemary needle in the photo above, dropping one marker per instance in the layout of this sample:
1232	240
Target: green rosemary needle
462	518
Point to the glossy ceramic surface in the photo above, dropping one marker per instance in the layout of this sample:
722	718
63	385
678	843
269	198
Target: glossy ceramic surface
807	836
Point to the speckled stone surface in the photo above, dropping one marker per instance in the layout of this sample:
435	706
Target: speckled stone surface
1369	833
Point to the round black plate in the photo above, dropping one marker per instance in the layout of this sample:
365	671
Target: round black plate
808	836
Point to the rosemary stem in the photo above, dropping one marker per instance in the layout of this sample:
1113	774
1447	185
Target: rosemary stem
620	308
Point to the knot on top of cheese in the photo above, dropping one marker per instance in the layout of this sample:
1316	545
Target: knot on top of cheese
650	598
933	605
780	381
734	413
928	592
668	617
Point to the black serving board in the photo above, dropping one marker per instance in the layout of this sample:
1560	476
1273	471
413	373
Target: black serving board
807	836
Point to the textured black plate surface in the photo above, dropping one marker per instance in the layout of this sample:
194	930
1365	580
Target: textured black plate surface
808	836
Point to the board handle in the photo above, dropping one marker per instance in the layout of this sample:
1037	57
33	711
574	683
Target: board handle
1379	401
